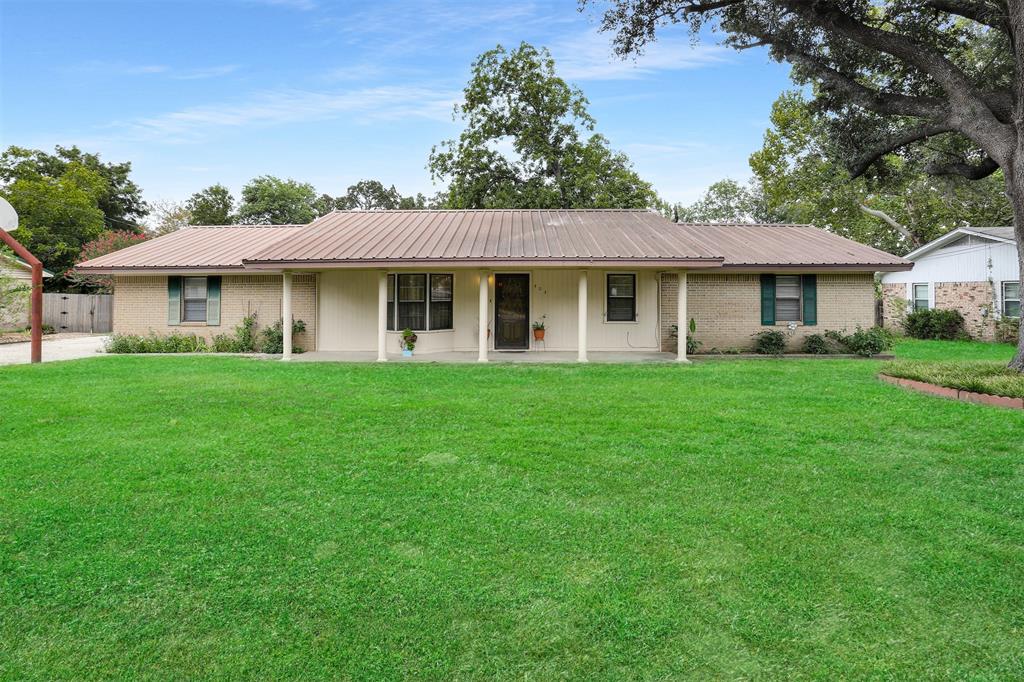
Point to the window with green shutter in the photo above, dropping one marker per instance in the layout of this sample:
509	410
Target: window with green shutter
173	301
789	298
767	299
809	285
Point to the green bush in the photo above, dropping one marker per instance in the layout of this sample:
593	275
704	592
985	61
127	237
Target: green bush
937	323
770	342
242	341
816	344
1008	330
172	343
864	342
271	339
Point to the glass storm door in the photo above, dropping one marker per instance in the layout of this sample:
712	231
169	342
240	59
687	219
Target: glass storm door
512	312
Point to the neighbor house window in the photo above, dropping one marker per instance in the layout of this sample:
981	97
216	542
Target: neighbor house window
920	297
193	299
1011	299
420	302
621	303
787	298
441	313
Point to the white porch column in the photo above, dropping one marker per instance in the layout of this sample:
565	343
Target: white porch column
682	320
581	354
483	317
382	316
286	314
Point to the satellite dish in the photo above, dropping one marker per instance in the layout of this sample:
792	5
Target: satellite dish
8	216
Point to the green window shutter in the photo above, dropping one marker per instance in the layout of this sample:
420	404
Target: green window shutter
810	285
767	299
173	300
213	301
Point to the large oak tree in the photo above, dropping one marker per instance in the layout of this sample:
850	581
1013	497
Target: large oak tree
939	77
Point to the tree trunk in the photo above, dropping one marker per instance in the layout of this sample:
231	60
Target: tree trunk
1015	191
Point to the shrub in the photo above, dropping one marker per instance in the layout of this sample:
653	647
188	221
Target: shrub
1008	330
864	342
937	323
242	341
816	344
692	344
770	342
271	339
172	343
47	329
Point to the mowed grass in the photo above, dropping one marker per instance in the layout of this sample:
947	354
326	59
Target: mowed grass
226	517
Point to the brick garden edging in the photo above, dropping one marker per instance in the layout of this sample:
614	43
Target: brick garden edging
955	393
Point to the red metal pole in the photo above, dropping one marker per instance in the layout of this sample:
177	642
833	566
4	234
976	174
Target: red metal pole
36	298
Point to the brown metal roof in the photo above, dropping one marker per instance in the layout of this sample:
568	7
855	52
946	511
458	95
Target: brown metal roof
794	246
498	238
492	237
211	247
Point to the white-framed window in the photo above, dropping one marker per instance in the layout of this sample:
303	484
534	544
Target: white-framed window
787	298
193	299
1011	299
421	301
620	304
920	299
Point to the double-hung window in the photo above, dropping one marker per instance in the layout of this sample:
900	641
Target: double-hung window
621	294
420	302
920	300
787	298
1011	299
193	299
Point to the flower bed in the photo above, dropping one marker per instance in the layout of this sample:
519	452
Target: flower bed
978	378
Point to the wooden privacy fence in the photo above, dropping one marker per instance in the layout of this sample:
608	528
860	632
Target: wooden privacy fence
89	313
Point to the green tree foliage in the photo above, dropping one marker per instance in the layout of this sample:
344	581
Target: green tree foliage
120	199
516	100
895	205
57	215
166	217
267	200
725	201
369	195
211	206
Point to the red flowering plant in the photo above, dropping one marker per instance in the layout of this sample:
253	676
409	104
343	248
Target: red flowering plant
108	242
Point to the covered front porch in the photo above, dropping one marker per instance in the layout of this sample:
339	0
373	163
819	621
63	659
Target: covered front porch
464	315
500	357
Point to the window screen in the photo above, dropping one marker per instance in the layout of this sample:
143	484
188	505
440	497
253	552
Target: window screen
920	297
787	298
441	301
621	298
1011	299
412	302
193	300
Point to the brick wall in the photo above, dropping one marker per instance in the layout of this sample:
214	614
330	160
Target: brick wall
969	298
727	308
140	305
895	305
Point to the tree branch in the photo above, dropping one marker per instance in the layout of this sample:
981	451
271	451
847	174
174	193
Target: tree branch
894	142
891	222
980	12
971	171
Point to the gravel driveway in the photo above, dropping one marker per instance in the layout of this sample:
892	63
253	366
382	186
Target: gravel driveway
61	348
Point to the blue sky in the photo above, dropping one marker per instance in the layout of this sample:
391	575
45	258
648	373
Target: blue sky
194	93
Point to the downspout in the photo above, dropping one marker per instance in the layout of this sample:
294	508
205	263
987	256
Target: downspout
36	299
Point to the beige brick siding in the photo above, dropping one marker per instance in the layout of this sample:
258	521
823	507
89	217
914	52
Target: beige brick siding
727	308
895	305
140	305
969	298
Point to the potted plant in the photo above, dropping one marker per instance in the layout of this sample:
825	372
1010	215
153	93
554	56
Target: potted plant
408	342
538	329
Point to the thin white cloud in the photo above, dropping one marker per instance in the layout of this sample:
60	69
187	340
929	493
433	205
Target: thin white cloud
205	72
589	57
281	107
122	69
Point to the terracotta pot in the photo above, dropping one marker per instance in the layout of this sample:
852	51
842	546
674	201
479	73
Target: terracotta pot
538	334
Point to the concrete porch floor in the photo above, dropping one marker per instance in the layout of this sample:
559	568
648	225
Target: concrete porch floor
493	356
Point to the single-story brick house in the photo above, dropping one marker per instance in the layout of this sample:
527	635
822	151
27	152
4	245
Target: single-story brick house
476	280
974	270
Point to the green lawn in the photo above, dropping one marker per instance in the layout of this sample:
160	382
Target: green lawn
227	517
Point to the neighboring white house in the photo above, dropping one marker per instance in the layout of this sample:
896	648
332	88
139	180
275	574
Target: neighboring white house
16	317
972	269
